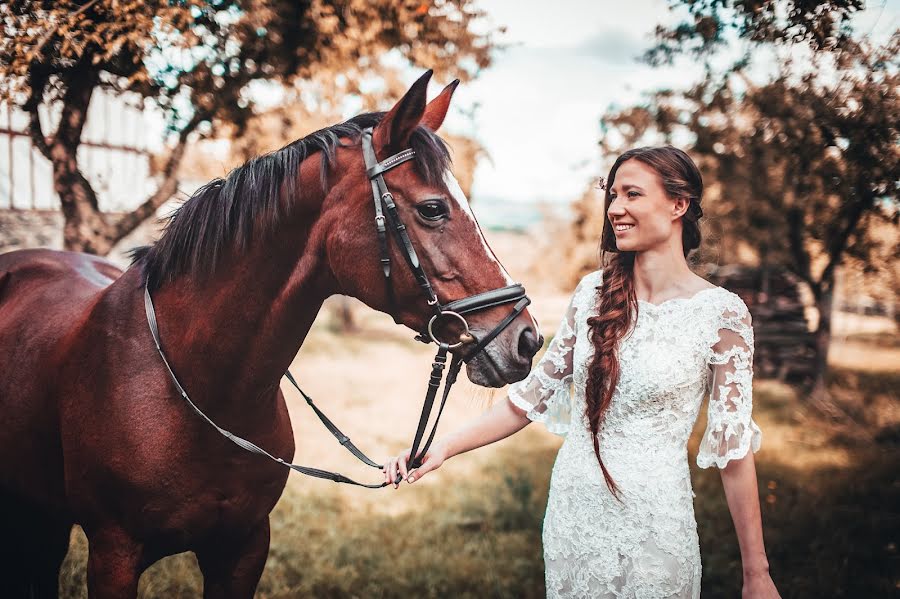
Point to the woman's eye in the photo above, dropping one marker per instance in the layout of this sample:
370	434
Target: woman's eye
633	194
432	210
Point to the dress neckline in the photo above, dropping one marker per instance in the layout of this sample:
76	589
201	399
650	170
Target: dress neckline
677	299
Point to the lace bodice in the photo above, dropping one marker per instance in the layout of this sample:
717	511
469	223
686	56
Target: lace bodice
644	545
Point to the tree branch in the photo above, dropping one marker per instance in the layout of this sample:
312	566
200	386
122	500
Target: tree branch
36	83
167	188
839	242
54	28
796	245
76	101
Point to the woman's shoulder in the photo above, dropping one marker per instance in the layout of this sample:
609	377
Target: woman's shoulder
726	309
590	281
726	300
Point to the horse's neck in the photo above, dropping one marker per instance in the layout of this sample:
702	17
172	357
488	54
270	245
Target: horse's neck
238	330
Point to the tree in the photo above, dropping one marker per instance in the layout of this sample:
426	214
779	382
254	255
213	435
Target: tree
197	60
710	24
804	165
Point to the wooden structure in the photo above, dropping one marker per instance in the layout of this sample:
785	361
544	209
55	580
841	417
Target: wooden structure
785	347
113	155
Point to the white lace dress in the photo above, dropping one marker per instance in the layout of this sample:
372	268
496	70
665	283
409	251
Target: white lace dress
646	545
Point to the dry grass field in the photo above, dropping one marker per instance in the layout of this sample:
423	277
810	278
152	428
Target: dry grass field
830	498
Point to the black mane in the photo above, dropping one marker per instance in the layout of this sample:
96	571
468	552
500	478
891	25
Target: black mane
253	198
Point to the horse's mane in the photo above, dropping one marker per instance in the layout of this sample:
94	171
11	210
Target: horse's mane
254	197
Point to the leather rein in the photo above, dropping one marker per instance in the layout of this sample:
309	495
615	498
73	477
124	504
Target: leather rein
387	220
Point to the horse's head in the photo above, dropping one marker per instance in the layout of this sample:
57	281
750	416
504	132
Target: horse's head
440	224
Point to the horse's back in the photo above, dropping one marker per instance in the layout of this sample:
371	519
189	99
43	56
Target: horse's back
44	294
45	298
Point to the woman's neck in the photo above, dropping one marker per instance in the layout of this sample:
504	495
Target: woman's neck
661	274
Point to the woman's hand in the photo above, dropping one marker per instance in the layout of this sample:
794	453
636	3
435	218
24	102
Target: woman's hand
499	422
397	465
759	586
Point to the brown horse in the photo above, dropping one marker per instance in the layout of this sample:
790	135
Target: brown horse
93	431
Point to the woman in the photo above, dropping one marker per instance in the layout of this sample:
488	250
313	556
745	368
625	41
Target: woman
643	342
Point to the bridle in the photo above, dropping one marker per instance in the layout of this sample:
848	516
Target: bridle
387	220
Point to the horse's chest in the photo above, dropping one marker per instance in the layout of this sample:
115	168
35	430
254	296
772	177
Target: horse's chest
229	498
235	487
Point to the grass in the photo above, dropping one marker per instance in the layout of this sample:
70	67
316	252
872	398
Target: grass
830	503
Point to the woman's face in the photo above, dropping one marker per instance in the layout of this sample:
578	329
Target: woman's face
641	214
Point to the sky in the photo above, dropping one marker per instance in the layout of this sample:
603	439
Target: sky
568	61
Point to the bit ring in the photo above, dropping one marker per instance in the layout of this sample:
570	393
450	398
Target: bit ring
465	337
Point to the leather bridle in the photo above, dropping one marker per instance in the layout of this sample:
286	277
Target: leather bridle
387	219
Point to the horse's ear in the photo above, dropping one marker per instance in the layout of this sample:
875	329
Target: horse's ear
436	110
398	124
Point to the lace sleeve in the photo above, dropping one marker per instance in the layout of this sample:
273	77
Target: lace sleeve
730	431
545	394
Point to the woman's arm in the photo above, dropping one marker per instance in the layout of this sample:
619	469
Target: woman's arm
739	480
499	422
544	395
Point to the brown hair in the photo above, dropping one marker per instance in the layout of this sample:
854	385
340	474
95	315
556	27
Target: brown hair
616	301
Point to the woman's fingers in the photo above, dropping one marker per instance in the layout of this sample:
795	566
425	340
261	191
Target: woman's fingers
403	459
427	466
390	472
395	469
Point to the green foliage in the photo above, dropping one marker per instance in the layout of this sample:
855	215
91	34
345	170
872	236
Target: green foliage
709	24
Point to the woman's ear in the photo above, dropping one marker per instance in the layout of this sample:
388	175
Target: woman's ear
680	207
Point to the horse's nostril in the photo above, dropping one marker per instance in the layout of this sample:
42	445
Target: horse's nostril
529	343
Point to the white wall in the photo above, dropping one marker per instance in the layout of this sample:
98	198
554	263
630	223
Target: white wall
119	175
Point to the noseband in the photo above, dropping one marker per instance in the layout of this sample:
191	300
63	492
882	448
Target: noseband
387	219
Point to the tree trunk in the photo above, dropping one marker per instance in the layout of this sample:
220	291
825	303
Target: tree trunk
824	304
84	228
819	397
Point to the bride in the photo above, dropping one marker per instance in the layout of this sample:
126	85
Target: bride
643	341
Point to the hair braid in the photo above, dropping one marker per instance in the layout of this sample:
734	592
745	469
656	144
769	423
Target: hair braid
613	320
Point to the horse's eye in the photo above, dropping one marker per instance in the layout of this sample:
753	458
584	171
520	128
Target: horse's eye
432	210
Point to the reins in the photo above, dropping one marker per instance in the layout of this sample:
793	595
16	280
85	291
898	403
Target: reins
386	215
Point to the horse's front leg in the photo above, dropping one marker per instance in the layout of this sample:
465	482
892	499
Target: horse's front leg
232	566
115	563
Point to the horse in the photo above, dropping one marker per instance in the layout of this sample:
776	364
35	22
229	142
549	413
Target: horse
94	430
